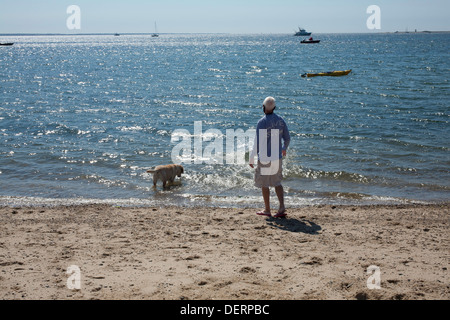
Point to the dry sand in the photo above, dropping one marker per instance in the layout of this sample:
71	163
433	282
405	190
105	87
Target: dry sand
318	252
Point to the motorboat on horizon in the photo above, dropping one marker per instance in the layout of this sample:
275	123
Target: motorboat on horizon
302	32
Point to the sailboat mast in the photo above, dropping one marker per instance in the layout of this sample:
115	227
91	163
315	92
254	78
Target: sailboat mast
156	31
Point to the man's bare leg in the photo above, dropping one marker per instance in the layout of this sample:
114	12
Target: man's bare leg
266	196
280	194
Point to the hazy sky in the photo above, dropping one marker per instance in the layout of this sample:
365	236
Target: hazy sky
220	16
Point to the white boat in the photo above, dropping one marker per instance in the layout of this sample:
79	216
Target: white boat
302	32
155	35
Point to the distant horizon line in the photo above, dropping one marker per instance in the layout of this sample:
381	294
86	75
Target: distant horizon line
170	33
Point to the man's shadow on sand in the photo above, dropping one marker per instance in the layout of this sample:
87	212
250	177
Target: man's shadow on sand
294	225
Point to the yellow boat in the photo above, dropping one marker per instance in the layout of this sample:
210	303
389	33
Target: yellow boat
329	74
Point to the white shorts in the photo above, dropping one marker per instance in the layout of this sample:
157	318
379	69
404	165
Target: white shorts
270	174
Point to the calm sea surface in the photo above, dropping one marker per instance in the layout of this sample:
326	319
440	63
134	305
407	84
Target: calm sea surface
83	117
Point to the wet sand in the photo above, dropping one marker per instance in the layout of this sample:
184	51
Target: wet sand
174	253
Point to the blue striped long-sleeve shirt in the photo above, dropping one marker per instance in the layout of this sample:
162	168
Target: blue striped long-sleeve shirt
270	122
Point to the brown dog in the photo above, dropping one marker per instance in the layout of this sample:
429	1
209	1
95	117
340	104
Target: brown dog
166	173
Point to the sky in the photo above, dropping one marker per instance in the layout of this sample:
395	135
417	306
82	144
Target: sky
220	16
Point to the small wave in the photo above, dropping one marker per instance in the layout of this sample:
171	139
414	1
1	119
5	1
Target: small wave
300	172
132	128
190	200
54	202
185	103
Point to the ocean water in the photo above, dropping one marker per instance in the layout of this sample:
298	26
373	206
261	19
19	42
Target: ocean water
83	117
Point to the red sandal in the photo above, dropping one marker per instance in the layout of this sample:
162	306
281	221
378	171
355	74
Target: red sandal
281	214
263	213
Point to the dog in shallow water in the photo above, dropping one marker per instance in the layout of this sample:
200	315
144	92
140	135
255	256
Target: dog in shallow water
166	173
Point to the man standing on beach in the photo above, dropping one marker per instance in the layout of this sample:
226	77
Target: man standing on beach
270	132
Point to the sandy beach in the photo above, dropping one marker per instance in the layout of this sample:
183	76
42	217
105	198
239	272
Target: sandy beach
175	253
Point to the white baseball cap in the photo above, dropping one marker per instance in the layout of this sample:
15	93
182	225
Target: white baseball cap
269	104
